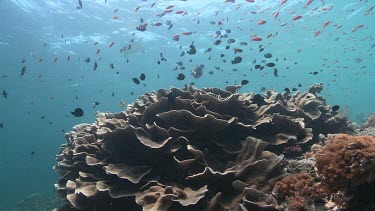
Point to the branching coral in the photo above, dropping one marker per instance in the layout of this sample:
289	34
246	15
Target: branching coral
347	161
187	149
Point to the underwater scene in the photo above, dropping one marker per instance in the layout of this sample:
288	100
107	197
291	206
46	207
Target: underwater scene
178	105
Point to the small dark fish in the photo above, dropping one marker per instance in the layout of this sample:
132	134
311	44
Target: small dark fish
5	94
275	72
267	55
95	65
1	125
261	49
230	41
211	72
192	50
335	108
32	153
96	104
257	66
78	112
261	67
80	4
23	71
227	47
217	68
237	60
217	42
23	61
170	26
180	63
299	85
228	31
208	50
294	89
111	66
141	20
287	89
142	77
197	72
87	60
182	54
136	80
222	55
158	62
181	77
271	64
244	82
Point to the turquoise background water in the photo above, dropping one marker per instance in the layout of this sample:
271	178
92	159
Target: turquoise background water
49	89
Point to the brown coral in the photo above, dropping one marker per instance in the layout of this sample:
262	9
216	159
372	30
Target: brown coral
300	190
347	161
186	149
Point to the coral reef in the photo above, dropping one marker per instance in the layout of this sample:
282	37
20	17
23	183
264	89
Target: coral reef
368	127
191	149
346	161
300	191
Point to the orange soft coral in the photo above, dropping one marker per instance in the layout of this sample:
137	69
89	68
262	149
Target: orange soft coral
347	161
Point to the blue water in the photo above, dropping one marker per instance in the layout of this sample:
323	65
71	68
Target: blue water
344	60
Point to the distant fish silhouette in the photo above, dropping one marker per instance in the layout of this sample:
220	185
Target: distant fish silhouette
80	5
23	71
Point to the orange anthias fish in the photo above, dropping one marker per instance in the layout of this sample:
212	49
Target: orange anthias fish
357	27
176	37
308	2
276	14
115	17
256	39
297	17
187	33
261	22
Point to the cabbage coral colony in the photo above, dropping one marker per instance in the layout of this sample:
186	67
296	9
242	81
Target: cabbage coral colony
197	149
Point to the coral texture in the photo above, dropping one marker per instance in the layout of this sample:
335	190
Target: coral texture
189	149
368	127
299	190
347	161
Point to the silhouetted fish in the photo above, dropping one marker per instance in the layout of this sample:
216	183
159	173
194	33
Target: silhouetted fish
78	112
87	60
5	94
23	71
95	65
